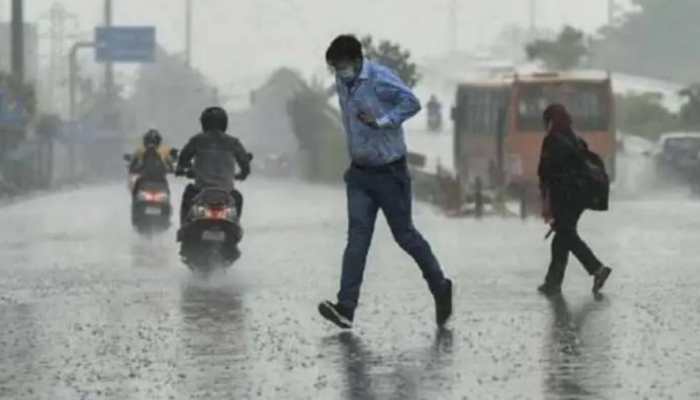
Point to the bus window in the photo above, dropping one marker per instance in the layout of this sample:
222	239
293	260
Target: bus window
587	103
480	108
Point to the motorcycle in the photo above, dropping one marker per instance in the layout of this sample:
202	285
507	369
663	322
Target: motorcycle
210	233
150	202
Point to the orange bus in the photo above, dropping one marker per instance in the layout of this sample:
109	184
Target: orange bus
499	131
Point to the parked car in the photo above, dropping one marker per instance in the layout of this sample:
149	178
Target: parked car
678	156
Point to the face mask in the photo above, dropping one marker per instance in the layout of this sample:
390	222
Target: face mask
346	74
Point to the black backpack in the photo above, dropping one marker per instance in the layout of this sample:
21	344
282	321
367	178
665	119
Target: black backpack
598	182
593	179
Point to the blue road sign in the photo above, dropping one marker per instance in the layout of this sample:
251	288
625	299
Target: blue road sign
125	44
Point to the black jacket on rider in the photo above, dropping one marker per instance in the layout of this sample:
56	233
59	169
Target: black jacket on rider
215	157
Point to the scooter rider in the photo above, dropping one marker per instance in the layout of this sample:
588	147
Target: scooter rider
215	156
153	160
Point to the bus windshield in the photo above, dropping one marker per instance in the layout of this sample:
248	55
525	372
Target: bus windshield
587	103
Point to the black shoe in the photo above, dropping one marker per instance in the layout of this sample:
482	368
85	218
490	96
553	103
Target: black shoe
443	304
336	314
549	290
599	278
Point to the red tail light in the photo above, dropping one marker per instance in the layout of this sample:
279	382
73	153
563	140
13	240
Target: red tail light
154	197
218	213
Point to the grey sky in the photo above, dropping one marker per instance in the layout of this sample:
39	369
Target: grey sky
237	39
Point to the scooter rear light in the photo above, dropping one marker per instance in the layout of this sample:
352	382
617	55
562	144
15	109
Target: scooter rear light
153	197
219	213
159	196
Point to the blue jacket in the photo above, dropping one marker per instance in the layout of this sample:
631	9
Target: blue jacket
377	91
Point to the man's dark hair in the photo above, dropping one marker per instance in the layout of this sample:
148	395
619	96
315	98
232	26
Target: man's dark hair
214	119
343	48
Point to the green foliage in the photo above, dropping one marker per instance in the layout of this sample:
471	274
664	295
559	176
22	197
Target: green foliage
168	96
690	113
22	91
658	40
644	115
393	56
320	134
12	136
565	52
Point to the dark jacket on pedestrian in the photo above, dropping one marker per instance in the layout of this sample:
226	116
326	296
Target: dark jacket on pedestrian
561	164
215	157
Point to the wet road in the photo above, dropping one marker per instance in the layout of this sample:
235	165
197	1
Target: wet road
91	310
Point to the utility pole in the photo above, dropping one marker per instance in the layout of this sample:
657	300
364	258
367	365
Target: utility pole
188	32
58	18
109	67
73	76
611	12
57	32
18	40
533	18
452	27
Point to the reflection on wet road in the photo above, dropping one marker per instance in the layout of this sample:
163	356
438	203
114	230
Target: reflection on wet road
576	369
90	310
366	376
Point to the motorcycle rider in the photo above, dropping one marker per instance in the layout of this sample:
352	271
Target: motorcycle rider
153	161
215	155
434	108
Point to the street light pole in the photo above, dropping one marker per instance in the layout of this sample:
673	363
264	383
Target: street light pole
533	17
18	40
109	67
188	32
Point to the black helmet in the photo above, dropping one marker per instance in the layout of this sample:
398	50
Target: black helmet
214	119
152	138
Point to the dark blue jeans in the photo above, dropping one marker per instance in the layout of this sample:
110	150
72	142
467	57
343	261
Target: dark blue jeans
368	191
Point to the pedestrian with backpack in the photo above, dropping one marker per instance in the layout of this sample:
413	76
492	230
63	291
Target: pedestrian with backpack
572	179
